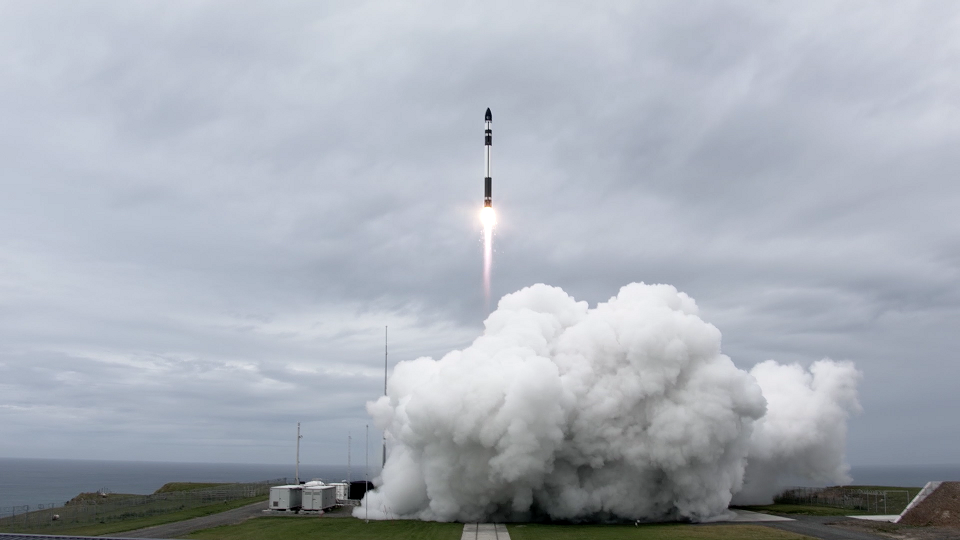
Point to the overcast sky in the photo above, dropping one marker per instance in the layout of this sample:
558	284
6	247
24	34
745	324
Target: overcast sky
210	210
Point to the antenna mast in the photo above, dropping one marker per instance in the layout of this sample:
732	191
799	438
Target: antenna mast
385	329
366	476
299	436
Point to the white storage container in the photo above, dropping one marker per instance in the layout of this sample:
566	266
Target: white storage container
319	498
286	498
343	490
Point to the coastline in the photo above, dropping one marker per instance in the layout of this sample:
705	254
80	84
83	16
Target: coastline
35	481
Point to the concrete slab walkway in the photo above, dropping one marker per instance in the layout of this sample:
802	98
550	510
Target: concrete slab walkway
484	531
746	516
891	518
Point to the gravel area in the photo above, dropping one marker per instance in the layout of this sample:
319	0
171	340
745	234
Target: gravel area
940	508
901	532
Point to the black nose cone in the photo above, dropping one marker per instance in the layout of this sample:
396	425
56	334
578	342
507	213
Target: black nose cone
489	116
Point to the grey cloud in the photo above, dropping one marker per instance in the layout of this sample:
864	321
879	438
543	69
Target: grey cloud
201	187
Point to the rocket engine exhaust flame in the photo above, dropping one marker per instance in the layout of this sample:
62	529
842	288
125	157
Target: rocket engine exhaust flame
488	218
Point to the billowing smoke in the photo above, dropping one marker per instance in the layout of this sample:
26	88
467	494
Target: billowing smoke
628	410
804	433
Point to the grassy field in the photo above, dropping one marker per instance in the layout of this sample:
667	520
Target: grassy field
911	491
96	529
280	527
809	510
825	510
267	528
94	513
648	532
171	487
842	500
277	528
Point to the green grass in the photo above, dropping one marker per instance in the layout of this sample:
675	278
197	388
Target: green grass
97	529
186	486
281	528
894	504
267	528
672	531
912	489
91	497
809	510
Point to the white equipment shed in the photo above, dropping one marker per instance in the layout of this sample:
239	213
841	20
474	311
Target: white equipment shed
319	497
343	490
286	498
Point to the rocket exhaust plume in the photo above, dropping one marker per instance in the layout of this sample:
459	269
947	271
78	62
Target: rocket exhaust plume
627	410
487	216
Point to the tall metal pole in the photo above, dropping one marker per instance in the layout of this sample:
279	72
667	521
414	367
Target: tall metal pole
385	329
366	475
298	452
349	441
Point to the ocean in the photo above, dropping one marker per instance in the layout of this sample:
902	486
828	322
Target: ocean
44	481
903	475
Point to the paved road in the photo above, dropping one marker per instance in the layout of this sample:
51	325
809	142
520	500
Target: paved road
817	527
180	529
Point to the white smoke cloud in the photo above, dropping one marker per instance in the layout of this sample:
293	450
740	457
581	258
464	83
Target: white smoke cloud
804	433
628	410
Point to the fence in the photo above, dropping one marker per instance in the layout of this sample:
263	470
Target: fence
877	501
106	508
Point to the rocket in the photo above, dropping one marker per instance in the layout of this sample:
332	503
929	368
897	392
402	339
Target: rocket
487	144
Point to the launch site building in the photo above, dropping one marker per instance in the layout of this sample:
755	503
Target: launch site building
289	497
